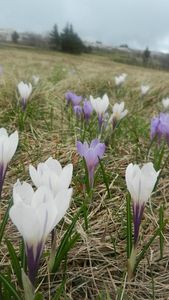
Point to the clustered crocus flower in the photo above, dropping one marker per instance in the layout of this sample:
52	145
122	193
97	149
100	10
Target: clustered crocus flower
100	105
25	91
140	183
8	146
73	99
36	213
118	113
91	153
144	89
165	102
160	127
80	108
119	80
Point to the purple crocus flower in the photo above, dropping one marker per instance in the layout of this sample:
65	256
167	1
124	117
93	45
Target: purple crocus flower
77	110
76	100
73	98
87	109
160	127
69	96
91	154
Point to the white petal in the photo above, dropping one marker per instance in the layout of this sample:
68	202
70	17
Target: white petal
13	143
34	176
54	165
62	201
25	219
24	191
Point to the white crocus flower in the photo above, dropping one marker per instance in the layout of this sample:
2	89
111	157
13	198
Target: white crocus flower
144	89
25	91
8	145
118	113
51	174
35	79
120	79
140	183
100	105
165	102
35	214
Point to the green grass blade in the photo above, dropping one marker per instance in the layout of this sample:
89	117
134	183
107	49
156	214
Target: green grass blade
66	243
105	179
14	262
10	287
38	296
145	248
5	220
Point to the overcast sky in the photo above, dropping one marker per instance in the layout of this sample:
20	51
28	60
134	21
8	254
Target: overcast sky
139	23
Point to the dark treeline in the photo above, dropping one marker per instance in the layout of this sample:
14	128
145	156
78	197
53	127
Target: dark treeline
66	41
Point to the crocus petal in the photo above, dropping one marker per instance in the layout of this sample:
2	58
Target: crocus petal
62	201
94	143
54	165
13	143
24	191
82	148
140	182
25	219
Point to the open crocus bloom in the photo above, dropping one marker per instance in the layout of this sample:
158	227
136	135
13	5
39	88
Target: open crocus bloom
8	145
120	79
144	89
35	214
140	183
165	102
24	90
100	105
118	113
91	154
51	174
160	127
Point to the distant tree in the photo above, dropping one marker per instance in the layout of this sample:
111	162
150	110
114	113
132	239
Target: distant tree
54	38
15	37
124	46
146	56
70	41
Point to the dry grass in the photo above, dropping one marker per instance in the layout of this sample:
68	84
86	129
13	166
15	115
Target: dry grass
96	266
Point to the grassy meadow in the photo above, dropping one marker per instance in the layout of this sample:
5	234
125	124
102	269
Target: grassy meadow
95	264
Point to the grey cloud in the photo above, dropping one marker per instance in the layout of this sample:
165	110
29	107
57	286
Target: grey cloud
136	22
